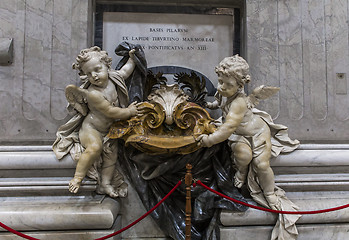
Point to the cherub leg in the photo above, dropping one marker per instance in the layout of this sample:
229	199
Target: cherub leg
112	181
92	142
107	174
265	174
242	158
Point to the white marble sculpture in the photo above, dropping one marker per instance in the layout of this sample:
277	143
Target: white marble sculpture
252	136
100	101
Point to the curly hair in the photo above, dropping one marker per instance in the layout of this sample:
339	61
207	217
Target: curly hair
234	66
86	54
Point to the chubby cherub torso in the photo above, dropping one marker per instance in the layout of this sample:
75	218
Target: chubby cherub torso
237	114
95	118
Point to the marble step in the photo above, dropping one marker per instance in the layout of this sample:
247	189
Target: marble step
313	182
42	186
314	156
305	202
307	155
33	161
59	213
305	232
312	167
67	235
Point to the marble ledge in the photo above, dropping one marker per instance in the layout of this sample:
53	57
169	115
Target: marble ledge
27	186
33	160
31	148
141	238
310	202
313	158
306	232
42	157
52	216
313	182
64	235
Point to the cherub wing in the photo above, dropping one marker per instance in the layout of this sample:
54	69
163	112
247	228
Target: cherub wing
260	93
76	98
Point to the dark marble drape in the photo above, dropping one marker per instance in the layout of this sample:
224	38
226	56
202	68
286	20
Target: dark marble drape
154	176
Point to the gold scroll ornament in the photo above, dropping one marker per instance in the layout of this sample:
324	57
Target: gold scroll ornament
166	126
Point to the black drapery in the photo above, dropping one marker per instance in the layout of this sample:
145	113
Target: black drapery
136	82
154	176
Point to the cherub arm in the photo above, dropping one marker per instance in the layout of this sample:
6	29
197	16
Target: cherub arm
130	65
212	105
233	119
96	100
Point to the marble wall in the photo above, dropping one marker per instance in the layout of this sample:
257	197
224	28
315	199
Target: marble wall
299	45
48	34
302	46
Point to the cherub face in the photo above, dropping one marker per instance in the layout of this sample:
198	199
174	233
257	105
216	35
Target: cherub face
227	85
96	71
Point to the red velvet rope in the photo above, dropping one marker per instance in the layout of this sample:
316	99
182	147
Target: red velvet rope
271	210
110	235
17	233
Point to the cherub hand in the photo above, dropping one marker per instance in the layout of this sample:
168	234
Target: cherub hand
140	110
131	53
203	141
208	105
132	108
211	105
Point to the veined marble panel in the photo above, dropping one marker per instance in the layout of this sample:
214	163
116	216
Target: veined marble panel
314	58
338	57
61	51
10	11
305	50
47	35
38	59
290	59
266	45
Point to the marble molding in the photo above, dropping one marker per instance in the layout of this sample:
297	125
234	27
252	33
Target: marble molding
64	235
49	213
306	202
306	232
314	176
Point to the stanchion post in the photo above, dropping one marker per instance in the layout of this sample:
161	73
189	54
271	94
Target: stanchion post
188	183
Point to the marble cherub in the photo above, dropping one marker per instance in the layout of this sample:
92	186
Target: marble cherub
248	134
100	101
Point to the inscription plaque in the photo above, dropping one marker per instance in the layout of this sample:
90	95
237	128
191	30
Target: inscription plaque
194	41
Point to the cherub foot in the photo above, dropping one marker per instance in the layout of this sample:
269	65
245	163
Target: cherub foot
272	200
122	190
74	184
239	179
108	189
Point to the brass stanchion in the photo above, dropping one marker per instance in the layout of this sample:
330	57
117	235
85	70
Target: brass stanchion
188	183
